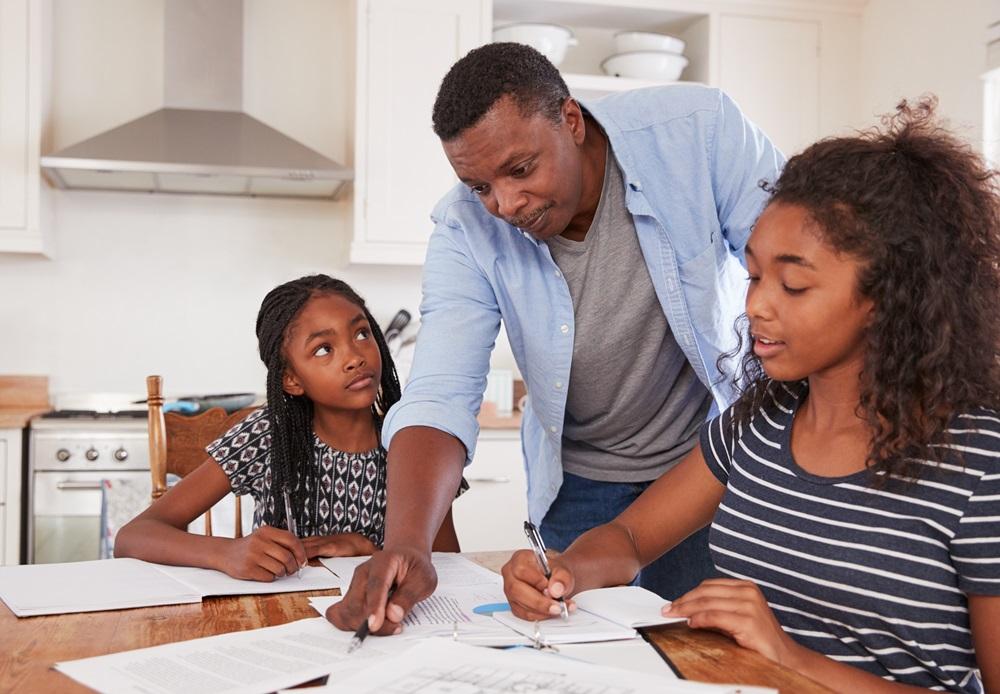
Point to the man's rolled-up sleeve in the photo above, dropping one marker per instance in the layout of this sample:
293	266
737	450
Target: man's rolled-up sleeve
459	323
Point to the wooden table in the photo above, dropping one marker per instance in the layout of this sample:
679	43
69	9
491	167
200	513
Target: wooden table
30	646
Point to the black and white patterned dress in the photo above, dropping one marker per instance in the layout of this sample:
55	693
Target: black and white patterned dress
345	492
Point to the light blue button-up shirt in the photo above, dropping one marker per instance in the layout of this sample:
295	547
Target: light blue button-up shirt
692	164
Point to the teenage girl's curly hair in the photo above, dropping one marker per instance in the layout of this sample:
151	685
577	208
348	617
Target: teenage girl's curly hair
290	417
920	210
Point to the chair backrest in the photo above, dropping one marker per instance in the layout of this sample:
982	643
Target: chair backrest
177	442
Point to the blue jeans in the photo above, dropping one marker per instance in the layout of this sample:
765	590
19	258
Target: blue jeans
583	504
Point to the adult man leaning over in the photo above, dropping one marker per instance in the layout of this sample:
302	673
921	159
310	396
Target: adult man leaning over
606	237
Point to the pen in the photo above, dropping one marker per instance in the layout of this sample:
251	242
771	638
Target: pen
538	546
362	633
291	524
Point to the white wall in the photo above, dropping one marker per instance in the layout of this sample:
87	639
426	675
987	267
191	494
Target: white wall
910	47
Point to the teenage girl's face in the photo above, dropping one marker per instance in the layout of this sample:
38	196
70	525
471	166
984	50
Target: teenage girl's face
806	316
332	356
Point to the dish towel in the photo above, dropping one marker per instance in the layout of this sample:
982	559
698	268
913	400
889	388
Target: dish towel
121	501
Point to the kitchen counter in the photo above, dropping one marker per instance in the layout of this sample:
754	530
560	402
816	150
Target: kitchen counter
17	417
21	398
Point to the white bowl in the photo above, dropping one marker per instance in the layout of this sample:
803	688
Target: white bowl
646	65
551	40
629	41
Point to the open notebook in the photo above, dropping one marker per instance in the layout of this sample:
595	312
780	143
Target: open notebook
602	614
114	584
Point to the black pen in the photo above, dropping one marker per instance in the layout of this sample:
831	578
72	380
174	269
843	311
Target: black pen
290	522
538	545
362	633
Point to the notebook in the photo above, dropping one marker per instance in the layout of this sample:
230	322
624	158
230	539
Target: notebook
114	584
602	614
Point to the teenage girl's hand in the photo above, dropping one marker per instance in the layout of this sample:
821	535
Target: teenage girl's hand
413	576
530	594
339	545
265	555
738	609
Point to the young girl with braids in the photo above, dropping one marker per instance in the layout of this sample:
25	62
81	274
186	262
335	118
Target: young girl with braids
330	380
853	490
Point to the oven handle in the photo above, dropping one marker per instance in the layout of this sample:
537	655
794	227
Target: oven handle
78	486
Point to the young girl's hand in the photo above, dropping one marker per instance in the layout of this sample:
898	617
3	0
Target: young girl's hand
339	545
530	594
265	555
738	609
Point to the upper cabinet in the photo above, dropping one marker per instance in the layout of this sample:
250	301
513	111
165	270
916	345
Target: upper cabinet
404	48
21	62
790	64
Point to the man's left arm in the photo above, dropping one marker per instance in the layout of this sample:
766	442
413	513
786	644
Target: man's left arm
741	157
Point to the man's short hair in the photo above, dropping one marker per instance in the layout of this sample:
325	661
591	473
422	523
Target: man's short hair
475	83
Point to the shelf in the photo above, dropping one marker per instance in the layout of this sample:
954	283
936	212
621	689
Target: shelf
593	86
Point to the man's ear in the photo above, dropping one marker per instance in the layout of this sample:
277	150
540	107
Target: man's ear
573	116
290	383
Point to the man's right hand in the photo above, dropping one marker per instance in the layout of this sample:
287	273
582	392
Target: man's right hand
413	576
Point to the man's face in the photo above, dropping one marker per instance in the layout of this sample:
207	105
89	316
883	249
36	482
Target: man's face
527	171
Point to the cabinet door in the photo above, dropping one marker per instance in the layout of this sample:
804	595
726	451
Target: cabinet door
491	515
20	83
771	67
404	50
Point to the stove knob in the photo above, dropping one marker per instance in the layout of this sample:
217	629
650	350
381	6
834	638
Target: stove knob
121	455
92	454
62	455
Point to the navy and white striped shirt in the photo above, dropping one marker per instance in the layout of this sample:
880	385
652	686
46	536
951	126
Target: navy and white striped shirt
876	578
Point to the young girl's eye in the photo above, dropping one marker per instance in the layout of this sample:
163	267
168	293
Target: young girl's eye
322	351
364	334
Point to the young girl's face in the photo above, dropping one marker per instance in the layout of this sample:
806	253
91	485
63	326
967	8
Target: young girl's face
332	356
806	316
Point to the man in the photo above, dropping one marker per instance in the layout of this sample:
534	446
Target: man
606	239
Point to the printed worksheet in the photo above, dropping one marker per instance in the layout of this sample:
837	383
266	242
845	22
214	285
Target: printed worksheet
437	666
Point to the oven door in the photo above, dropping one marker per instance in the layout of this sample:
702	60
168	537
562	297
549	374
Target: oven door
66	513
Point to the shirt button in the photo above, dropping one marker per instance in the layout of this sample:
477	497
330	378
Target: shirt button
564	328
553	429
558	384
558	274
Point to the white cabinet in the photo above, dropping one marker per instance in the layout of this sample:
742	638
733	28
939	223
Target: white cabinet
491	515
10	496
404	49
21	63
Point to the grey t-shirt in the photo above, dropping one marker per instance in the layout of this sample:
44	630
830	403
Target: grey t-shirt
634	403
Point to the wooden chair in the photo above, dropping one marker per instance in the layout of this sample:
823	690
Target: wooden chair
177	442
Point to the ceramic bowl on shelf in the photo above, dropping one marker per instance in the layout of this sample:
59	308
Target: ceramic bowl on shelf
630	41
551	40
658	66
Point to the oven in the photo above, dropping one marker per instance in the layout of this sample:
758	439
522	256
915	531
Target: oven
74	458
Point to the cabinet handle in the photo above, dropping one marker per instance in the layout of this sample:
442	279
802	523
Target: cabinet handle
78	486
489	480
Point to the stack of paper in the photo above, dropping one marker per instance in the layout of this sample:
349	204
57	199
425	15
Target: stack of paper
114	584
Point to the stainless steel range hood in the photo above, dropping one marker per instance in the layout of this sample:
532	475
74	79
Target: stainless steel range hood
202	141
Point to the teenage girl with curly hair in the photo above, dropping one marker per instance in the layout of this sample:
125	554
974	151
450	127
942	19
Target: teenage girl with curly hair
330	381
853	490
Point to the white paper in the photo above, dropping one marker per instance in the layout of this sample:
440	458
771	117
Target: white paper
343	567
438	665
461	607
580	627
114	584
243	662
631	606
637	655
209	582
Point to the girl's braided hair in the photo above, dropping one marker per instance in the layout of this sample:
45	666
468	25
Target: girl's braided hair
922	213
290	417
